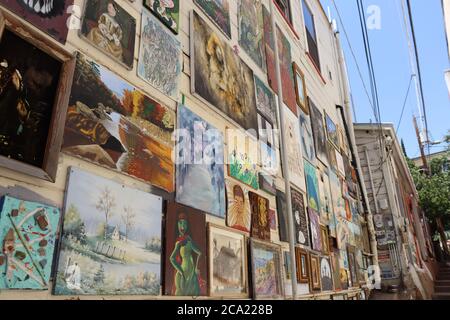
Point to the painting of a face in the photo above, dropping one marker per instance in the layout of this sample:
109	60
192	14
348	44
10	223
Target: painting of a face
238	215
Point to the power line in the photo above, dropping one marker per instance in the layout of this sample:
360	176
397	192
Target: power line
404	103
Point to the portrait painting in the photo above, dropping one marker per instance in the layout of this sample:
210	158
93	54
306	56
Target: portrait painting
200	178
265	101
227	263
315	275
185	252
312	187
113	124
326	275
332	132
243	159
51	16
316	233
282	216
300	218
326	204
111	239
220	77
159	65
218	12
238	213
307	138
302	263
266	270
167	11
259	207
300	89
111	29
28	235
320	139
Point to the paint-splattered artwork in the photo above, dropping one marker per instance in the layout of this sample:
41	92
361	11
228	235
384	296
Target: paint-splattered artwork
265	101
316	234
220	77
320	138
242	163
307	138
27	235
112	123
238	213
312	186
326	275
51	16
251	32
159	65
200	181
332	132
300	219
282	216
168	11
111	239
111	29
218	12
266	270
185	246
259	207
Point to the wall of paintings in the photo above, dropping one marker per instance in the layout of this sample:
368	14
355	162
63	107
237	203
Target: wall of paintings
115	180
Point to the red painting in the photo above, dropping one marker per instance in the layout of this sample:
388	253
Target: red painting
260	216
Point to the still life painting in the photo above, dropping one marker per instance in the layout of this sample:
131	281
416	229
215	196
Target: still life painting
238	213
168	11
218	12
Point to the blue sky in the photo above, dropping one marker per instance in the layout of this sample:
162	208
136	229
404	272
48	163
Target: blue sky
392	68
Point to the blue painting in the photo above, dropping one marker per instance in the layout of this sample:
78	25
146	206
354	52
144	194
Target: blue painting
200	181
27	235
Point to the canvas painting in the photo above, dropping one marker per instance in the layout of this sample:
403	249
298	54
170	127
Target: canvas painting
238	215
220	77
300	89
273	220
287	273
111	239
242	161
326	275
314	225
325	240
320	139
294	152
307	138
332	161
265	101
111	29
168	11
266	270
185	252
314	263
218	12
332	132
335	258
343	232
302	263
326	204
159	65
267	183
268	146
312	187
352	266
28	85
259	207
114	124
200	181
340	164
282	216
227	263
300	219
28	236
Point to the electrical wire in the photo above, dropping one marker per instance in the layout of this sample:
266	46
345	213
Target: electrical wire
404	103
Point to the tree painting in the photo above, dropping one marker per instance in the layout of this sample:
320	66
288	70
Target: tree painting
128	218
106	205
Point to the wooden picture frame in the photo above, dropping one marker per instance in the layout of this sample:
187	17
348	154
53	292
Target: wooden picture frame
47	171
302	262
352	266
325	240
314	264
299	78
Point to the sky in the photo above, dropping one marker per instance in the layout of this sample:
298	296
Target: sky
392	65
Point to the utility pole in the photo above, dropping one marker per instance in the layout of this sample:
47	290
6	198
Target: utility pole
422	151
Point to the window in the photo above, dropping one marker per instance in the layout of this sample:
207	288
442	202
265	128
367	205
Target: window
285	8
311	34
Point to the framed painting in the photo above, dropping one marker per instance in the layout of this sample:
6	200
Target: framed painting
320	139
218	12
259	207
325	240
200	178
332	161
28	235
326	204
300	89
227	255
111	29
168	12
300	219
332	132
352	266
268	146
51	16
316	235
186	269
113	124
340	164
238	213
342	232
251	31
335	259
243	160
287	273
326	275
266	270
265	101
111	239
282	216
312	186
302	262
307	138
36	75
154	61
232	92
267	184
273	219
315	274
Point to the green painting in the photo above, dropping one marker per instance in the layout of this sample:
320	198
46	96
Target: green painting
242	166
312	186
219	12
168	11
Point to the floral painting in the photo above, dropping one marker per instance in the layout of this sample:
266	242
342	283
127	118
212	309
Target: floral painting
218	12
168	11
312	187
238	213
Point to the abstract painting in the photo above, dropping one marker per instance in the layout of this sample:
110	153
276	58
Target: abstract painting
307	138
218	12
326	204
28	236
314	264
265	101
185	252
332	132
302	263
227	263
50	16
282	216
266	270
242	162
300	218
259	207
312	187
168	11
111	29
111	239
200	181
320	139
113	124
251	31
300	89
267	184
316	233
326	275
238	213
219	76
159	65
